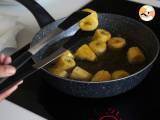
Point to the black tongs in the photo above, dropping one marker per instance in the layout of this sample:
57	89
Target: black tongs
66	29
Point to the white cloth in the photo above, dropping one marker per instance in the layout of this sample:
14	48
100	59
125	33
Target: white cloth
9	28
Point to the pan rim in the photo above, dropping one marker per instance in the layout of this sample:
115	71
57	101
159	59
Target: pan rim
124	78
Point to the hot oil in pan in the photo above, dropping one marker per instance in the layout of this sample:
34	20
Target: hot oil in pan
112	60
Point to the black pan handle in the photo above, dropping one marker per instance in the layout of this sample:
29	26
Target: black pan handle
42	16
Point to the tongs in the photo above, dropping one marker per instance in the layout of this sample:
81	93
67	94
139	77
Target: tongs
66	29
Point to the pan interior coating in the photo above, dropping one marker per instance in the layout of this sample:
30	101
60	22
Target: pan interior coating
135	33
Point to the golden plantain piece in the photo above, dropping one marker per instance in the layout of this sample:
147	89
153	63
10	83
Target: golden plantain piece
68	53
116	43
135	55
79	73
65	63
119	74
101	35
90	22
101	75
98	47
58	72
85	53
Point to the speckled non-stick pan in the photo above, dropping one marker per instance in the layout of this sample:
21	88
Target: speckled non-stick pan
134	32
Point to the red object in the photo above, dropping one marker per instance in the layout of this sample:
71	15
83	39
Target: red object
111	114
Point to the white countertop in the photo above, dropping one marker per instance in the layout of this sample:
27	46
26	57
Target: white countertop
57	9
11	111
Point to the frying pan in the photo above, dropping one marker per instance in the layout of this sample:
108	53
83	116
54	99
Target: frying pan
134	32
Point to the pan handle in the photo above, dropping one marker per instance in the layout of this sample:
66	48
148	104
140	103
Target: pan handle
42	16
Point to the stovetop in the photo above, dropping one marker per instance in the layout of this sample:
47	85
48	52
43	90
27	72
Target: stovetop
139	103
